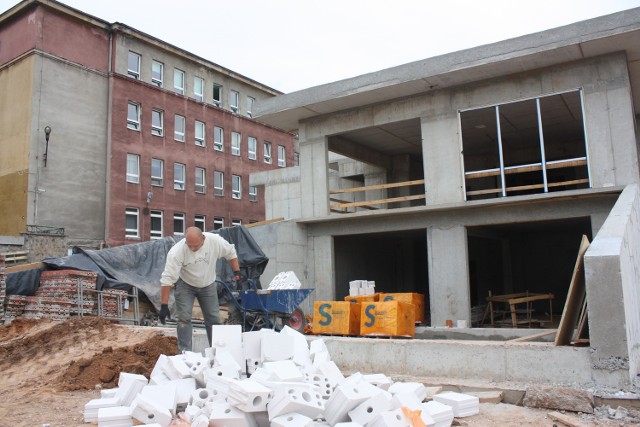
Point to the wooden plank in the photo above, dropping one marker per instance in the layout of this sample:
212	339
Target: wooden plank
22	267
379	202
534	336
530	298
331	199
575	298
564	419
378	187
265	222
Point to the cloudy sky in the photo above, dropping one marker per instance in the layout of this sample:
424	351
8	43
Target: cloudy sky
294	44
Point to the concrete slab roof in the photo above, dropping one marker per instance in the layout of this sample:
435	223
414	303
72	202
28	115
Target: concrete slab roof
606	34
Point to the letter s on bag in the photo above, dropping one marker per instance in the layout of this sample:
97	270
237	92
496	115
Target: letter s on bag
369	314
323	310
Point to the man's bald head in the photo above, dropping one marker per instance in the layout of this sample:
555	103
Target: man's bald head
194	238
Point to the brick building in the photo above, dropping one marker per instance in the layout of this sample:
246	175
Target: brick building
145	138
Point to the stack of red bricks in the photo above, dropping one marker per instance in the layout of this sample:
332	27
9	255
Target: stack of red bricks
65	293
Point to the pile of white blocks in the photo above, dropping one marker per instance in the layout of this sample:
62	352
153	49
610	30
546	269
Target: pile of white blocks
362	287
285	280
268	379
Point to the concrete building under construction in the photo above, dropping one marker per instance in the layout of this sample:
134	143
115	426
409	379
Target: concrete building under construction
471	174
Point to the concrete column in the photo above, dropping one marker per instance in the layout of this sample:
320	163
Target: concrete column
401	172
448	275
314	177
321	260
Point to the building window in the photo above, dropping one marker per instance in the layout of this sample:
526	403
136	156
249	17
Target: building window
179	126
178	81
236	187
200	222
157	73
234	100
236	222
133	168
133	65
198	89
133	116
157	172
282	159
156	225
217	95
157	122
252	147
201	186
218	139
131	222
253	193
218	223
179	176
199	133
525	147
218	183
267	152
250	102
235	143
178	223
296	159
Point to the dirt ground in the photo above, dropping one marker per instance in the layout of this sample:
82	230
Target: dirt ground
49	370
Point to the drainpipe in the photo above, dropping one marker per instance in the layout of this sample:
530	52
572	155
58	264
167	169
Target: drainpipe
107	199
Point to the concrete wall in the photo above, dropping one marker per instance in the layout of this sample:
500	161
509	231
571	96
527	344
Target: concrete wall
282	193
612	277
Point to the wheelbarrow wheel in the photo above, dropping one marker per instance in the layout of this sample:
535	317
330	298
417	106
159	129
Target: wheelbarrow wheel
296	320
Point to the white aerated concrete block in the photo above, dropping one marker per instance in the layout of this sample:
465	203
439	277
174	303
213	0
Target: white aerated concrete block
301	398
191	412
227	363
407	399
416	388
225	415
251	342
331	371
441	414
345	398
147	410
395	418
321	357
201	396
228	337
252	365
164	395
317	345
463	405
200	421
184	388
119	416
219	387
379	380
284	370
249	396
91	408
129	385
292	420
349	424
108	392
368	410
177	367
276	347
321	382
301	355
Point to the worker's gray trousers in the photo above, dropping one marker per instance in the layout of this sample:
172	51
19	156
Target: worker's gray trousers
185	295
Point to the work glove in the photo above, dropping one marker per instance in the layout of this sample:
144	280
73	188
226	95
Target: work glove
239	278
164	313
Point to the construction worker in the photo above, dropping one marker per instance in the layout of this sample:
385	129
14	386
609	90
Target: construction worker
191	269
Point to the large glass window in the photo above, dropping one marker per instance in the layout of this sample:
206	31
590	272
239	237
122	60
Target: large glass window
217	95
133	116
218	183
179	127
253	193
235	143
199	127
133	65
252	148
179	176
131	228
282	156
156	225
198	88
236	187
524	147
267	152
178	223
157	122
157	73
234	100
157	172
178	81
201	186
218	139
133	168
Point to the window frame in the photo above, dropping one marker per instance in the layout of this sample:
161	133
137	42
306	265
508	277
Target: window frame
157	81
282	156
179	216
198	96
236	187
202	187
200	219
218	183
157	181
178	89
131	72
155	129
179	136
132	233
234	100
218	145
252	142
217	101
236	222
199	139
253	193
267	152
156	234
250	101
218	222
133	177
133	123
177	184
236	143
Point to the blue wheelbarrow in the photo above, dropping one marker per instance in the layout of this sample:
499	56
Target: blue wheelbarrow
269	308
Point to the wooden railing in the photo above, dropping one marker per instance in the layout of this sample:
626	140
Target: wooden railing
342	206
